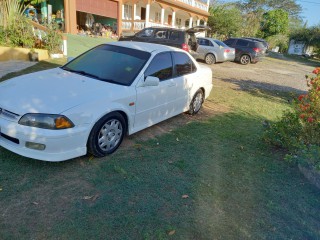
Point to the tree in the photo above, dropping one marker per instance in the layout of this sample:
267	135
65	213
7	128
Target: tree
275	22
225	20
311	35
290	6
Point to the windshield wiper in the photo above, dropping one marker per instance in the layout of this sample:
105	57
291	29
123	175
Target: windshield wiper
81	72
90	75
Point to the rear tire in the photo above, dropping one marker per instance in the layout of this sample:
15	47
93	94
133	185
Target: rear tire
196	102
107	135
245	59
210	59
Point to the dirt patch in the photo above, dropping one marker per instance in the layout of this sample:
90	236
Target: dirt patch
208	110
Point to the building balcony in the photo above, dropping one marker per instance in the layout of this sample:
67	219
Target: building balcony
197	4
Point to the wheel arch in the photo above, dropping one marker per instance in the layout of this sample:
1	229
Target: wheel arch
247	54
213	53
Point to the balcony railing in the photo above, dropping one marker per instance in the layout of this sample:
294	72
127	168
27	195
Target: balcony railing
141	24
201	5
196	3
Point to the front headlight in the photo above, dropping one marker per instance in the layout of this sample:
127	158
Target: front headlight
47	121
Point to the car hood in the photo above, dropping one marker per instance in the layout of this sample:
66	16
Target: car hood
53	91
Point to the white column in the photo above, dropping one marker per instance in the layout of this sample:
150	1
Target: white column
147	14
190	22
134	11
173	19
205	23
162	16
122	11
208	1
198	22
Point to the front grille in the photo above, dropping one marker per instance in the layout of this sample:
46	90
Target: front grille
14	140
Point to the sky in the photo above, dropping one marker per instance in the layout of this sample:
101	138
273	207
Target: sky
310	11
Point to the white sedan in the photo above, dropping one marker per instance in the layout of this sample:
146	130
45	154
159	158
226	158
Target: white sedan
89	104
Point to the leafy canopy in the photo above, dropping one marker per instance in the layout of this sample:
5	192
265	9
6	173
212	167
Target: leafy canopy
224	20
275	22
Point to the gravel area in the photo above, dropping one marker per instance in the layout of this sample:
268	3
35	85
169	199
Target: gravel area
270	74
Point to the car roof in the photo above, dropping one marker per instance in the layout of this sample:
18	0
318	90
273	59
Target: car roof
257	39
166	28
209	38
147	47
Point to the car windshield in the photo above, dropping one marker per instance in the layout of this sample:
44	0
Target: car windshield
222	44
114	64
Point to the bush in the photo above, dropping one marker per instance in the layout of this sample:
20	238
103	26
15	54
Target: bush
20	33
298	131
285	133
53	39
308	108
282	41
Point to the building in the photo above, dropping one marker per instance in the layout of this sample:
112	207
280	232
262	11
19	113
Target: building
127	15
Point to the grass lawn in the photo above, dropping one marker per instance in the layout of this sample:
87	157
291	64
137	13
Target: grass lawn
79	44
208	179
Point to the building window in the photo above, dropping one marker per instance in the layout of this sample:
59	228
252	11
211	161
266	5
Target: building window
127	13
178	22
157	17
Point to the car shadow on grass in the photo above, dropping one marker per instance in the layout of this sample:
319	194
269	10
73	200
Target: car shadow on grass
204	179
268	91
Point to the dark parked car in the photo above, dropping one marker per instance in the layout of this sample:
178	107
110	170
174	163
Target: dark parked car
180	38
247	50
264	42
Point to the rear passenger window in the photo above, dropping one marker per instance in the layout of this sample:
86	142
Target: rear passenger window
145	33
229	42
160	67
183	64
204	42
242	43
173	36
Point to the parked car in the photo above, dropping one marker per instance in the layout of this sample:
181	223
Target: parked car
90	103
180	38
212	50
246	50
264	42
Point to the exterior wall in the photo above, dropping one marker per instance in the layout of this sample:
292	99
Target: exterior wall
103	7
189	11
9	53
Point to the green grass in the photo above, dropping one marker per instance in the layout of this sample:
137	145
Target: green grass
79	44
237	187
295	58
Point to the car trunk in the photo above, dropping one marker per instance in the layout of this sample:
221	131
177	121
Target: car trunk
192	40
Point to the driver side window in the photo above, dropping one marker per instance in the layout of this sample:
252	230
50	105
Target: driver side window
160	67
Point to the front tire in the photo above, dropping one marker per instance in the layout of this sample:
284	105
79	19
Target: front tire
245	59
196	102
210	59
107	135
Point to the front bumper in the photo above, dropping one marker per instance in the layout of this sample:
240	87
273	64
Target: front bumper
60	145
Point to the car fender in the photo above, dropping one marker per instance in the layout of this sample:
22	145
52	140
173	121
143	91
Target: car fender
98	109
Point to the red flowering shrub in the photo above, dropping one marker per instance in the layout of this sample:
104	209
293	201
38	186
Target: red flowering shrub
298	131
307	108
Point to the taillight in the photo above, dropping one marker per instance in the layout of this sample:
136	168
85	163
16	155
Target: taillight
257	50
227	50
185	47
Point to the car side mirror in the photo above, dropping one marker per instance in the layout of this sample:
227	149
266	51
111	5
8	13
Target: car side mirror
151	81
